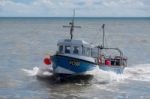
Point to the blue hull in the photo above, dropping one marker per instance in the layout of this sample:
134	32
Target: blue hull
116	69
71	65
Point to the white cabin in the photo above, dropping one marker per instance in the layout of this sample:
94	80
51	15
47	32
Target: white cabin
76	47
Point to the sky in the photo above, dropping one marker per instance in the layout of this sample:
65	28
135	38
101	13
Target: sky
84	8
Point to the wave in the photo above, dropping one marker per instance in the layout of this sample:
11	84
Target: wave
107	76
140	72
42	71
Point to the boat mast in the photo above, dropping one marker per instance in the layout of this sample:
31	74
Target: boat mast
103	27
71	26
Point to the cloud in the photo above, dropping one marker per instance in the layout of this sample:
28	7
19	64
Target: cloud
93	8
35	8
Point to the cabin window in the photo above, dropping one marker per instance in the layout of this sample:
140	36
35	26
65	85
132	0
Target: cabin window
61	49
94	52
86	51
76	50
67	49
83	50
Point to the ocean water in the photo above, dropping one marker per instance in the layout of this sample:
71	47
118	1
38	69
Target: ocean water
24	42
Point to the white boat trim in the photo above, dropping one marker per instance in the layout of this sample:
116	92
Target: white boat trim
90	59
61	70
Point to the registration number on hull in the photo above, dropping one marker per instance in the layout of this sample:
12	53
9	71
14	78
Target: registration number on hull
74	62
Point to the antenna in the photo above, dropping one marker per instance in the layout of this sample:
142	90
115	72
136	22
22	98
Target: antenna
103	27
71	26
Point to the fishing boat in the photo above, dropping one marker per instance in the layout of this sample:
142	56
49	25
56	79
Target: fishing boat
78	57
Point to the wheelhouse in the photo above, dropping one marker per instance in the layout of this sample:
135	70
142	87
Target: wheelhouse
76	47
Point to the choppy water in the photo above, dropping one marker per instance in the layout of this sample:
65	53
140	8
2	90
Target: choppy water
25	41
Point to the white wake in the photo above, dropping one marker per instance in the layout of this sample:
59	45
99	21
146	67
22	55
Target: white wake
139	72
42	71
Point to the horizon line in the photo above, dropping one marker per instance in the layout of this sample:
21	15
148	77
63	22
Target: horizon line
70	17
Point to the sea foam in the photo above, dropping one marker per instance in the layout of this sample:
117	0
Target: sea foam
139	72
